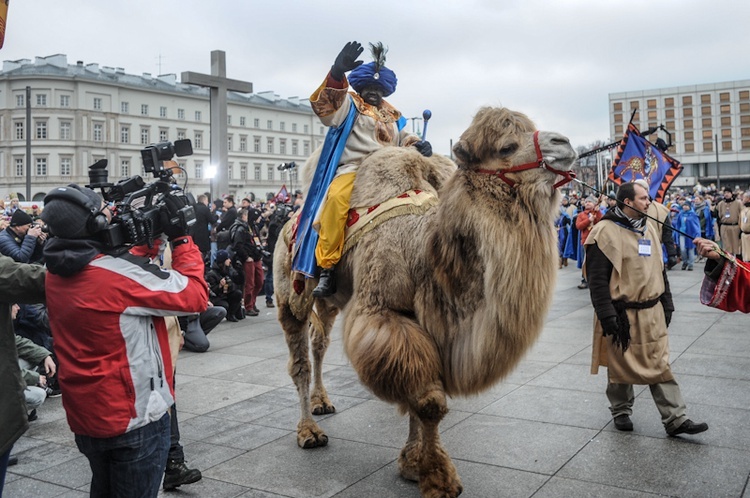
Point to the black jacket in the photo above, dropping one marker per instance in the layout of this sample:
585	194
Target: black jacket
200	233
227	219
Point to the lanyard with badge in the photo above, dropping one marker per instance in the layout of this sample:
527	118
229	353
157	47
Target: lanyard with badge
644	247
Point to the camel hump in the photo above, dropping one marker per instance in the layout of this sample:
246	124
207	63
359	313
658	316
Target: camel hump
391	171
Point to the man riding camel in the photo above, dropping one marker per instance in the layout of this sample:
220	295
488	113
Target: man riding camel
361	123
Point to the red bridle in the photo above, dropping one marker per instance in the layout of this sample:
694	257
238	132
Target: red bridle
540	163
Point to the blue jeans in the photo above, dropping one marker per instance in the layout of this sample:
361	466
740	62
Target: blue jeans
129	465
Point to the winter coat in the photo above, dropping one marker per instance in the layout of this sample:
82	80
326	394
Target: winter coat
21	249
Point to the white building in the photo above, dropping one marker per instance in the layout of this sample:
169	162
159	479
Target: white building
82	113
699	117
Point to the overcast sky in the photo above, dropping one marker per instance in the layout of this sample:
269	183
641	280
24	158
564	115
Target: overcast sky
556	61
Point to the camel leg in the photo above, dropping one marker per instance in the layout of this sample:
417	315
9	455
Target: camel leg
396	358
408	460
321	339
309	434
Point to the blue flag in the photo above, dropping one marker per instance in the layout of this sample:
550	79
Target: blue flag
638	158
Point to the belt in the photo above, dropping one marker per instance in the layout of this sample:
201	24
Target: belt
729	224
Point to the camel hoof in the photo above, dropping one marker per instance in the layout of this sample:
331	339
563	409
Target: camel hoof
408	465
447	490
309	435
323	408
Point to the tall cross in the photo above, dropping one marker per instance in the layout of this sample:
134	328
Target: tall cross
219	84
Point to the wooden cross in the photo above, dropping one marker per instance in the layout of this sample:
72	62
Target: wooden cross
219	84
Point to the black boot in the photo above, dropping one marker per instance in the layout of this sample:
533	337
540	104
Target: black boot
177	474
327	283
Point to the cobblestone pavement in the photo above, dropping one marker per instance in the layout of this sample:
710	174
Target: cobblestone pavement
545	431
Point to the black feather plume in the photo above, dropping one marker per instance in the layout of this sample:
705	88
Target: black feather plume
378	52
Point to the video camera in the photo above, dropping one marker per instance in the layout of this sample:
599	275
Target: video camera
137	205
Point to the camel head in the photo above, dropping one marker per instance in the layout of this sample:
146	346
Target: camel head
499	140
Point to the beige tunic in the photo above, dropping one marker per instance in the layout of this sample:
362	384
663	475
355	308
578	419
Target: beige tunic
745	237
634	279
728	217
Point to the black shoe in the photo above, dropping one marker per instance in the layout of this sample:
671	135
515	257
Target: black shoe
689	427
255	309
177	474
32	415
13	460
623	423
583	285
253	312
269	304
327	283
53	392
231	318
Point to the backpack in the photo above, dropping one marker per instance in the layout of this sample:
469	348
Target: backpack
223	239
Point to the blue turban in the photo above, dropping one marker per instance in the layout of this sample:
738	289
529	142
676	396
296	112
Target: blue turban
364	75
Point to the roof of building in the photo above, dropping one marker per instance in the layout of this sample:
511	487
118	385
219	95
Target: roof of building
57	66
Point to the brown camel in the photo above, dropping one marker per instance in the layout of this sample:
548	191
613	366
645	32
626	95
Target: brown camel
443	303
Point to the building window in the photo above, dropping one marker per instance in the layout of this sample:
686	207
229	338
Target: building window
124	168
687	124
229	143
198	139
669	113
705	99
269	124
707	134
745	95
618	130
256	123
65	166
282	175
97	104
724	97
745	132
243	144
687	100
689	135
242	120
282	146
180	113
306	148
230	171
282	126
651	115
706	123
726	133
306	129
669	102
295	147
744	107
634	104
163	135
321	130
180	134
651	103
162	112
708	146
197	115
617	106
198	170
687	112
256	144
145	136
294	127
744	120
65	130
745	144
19	166
64	100
243	171
144	109
257	172
20	100
41	166
706	110
229	120
269	145
41	130
689	147
725	109
618	118
726	121
19	130
124	107
41	100
270	171
98	132
124	134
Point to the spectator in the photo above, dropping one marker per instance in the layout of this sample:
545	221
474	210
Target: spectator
687	221
248	253
12	208
30	356
19	283
224	286
22	241
585	222
117	392
727	214
229	214
204	219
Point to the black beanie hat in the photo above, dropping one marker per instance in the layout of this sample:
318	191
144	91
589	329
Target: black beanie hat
20	218
67	219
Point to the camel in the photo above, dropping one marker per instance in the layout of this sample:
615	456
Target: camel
444	303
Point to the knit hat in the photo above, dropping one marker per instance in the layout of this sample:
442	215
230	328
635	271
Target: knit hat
221	257
68	219
20	218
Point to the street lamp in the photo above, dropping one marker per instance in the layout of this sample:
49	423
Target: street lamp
210	174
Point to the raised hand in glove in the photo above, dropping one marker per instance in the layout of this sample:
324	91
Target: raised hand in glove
346	60
171	216
610	326
424	148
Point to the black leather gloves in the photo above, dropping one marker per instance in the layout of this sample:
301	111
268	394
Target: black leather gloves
424	148
610	326
346	60
172	216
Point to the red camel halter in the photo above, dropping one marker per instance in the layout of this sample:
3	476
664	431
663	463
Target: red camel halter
540	163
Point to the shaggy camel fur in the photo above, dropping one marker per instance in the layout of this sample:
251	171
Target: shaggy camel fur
444	303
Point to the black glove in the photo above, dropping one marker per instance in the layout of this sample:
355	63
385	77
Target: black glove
424	148
671	262
346	60
610	326
171	218
668	316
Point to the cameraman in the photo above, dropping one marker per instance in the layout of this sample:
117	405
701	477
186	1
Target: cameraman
248	251
106	312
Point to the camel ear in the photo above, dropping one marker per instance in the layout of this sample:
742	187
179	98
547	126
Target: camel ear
463	153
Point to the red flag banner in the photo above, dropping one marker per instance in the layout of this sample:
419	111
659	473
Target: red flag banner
283	195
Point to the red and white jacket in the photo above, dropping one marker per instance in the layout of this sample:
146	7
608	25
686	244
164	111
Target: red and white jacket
110	337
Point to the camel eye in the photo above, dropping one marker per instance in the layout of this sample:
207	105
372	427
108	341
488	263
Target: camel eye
508	150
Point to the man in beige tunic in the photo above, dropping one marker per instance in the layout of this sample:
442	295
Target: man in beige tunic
727	214
745	226
633	305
